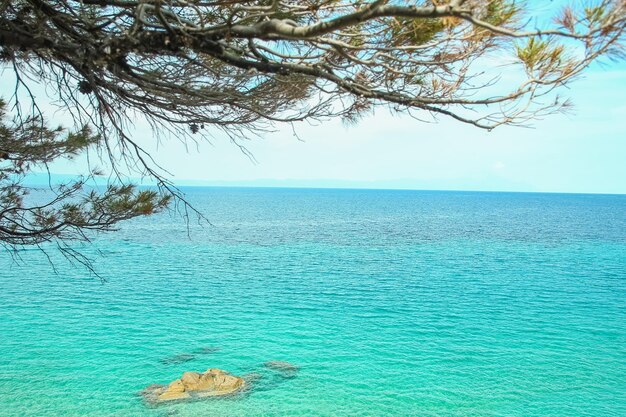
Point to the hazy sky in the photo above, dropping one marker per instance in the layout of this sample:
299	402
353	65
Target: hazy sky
581	152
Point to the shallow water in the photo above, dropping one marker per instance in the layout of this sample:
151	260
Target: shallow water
389	302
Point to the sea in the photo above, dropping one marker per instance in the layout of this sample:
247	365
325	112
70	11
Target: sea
386	303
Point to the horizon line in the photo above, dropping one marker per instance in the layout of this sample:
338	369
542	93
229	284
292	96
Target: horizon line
298	187
284	184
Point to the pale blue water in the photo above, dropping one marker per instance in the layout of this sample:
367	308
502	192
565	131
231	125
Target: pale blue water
393	303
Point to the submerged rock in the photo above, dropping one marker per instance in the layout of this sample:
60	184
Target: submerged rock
213	382
207	350
150	390
176	359
252	378
186	357
285	369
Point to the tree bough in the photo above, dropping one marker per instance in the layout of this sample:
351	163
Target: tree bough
192	66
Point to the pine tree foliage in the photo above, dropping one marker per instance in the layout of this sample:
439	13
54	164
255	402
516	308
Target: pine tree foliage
65	212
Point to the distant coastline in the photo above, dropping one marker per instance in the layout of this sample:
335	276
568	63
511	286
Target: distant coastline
44	179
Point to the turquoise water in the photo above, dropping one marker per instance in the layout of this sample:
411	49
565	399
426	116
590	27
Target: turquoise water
392	303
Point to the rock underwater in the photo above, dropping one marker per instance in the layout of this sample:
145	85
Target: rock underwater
214	382
177	359
285	369
186	357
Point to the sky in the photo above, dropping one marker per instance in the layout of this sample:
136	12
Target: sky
581	152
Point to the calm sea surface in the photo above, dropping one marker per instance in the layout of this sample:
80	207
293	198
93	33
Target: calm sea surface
392	303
